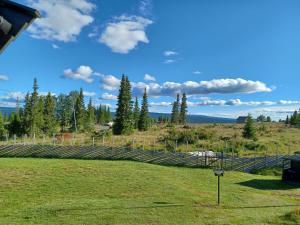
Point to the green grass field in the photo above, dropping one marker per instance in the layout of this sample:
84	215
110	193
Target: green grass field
42	191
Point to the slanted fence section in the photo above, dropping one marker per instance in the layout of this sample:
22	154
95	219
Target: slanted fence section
108	153
243	164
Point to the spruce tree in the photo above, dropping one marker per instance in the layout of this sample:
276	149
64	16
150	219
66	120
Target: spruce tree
26	114
175	111
123	123
79	110
144	120
64	111
249	129
49	115
2	128
90	116
36	111
183	109
15	124
136	113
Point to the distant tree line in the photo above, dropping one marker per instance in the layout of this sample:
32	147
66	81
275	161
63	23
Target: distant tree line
293	120
49	114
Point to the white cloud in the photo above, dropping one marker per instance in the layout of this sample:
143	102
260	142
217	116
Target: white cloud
62	20
125	33
145	7
170	53
82	73
169	61
161	104
197	72
88	94
55	46
108	96
3	77
10	99
219	86
109	82
148	77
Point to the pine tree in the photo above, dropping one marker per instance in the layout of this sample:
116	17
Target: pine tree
123	123
64	111
144	120
90	116
175	111
269	120
183	109
35	111
249	129
49	115
136	113
2	128
287	120
79	111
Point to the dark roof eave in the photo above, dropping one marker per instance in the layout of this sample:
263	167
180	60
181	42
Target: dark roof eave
18	7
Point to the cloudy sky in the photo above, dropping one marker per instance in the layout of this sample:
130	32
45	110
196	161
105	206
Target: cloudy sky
231	57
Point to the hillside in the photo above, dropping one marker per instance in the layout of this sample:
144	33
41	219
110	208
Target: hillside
48	191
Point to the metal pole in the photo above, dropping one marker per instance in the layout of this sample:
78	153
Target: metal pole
218	190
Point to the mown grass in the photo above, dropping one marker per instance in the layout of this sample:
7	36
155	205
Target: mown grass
43	191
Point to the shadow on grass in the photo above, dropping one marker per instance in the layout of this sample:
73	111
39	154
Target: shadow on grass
268	184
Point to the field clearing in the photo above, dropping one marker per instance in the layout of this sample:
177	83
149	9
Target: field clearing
273	138
50	191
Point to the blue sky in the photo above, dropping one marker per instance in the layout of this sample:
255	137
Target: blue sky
231	57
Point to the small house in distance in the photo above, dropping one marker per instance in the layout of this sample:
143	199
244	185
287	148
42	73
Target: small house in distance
241	119
291	170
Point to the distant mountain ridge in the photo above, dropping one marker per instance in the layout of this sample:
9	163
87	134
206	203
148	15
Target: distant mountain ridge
190	118
197	118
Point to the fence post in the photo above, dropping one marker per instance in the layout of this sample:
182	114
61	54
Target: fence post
15	139
175	145
6	139
165	145
34	138
53	139
103	140
187	145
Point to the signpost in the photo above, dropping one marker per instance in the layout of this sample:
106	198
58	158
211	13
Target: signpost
14	18
219	173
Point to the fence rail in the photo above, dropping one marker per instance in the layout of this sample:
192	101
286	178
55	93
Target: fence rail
243	164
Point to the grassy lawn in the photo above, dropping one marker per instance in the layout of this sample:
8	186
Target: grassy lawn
41	191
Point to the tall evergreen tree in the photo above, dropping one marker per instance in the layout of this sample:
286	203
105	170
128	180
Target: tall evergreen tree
79	111
123	123
144	120
287	120
90	116
183	109
2	128
175	111
49	115
36	111
249	129
136	113
64	111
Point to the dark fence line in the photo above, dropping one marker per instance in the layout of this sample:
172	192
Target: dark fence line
244	164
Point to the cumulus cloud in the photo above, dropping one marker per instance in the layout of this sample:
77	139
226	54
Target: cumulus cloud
10	99
88	94
108	96
170	53
81	73
62	20
109	82
3	77
219	86
124	33
148	77
231	102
